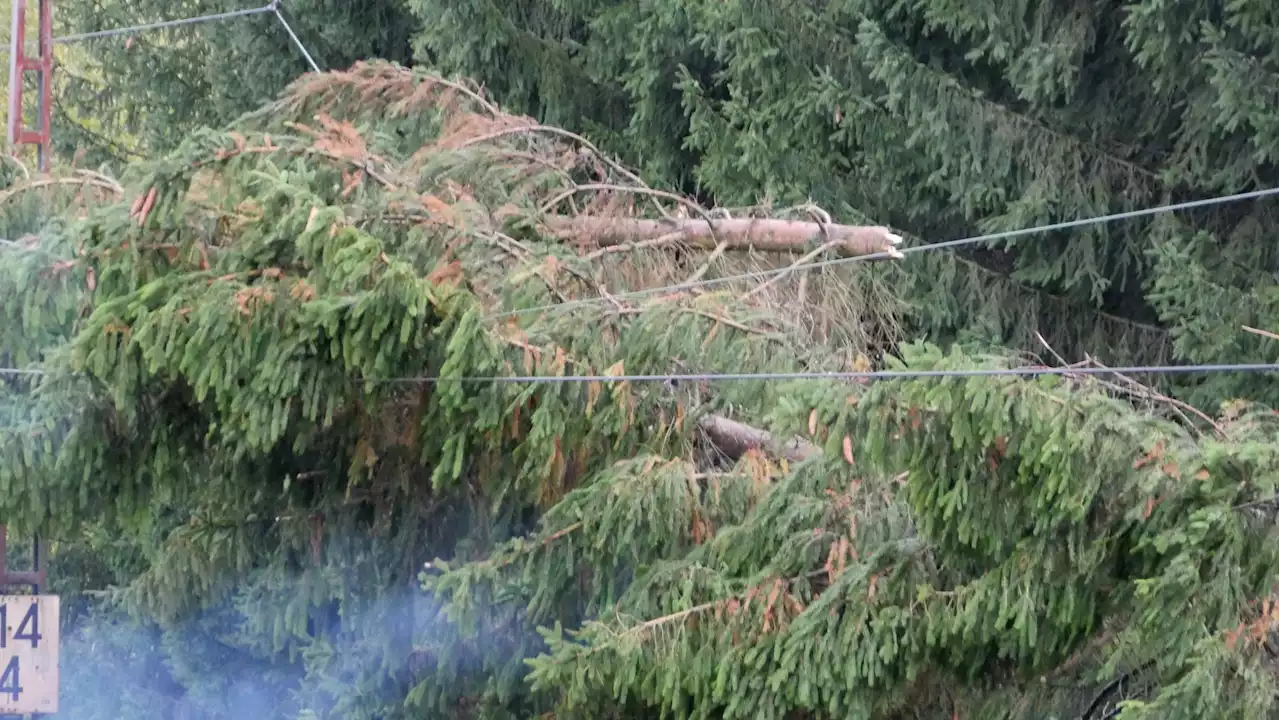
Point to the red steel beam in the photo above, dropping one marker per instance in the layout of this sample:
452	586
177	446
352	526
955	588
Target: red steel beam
42	65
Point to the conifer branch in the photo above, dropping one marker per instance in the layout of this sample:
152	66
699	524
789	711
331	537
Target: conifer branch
942	82
1036	300
515	126
992	521
85	178
771	592
1133	388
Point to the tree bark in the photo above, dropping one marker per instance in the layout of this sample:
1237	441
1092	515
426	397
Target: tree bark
759	234
734	439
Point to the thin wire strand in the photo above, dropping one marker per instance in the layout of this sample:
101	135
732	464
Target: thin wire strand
275	6
79	37
272	7
850	375
854	374
1007	234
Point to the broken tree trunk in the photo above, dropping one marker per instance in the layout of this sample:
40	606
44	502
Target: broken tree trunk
759	234
734	439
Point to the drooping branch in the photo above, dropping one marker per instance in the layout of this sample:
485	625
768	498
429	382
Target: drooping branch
761	235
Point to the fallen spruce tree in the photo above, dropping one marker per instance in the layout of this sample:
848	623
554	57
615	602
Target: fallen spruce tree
260	385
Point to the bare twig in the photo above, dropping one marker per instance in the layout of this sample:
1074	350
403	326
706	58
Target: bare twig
665	619
479	99
1061	360
533	158
102	178
667	239
715	255
1133	388
25	172
549	205
1263	333
804	259
519	252
1143	391
712	316
552	130
720	318
46	182
640	629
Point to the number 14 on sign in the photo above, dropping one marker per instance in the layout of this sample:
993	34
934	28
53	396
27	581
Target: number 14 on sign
28	654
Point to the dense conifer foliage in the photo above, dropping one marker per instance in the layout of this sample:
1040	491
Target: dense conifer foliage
257	408
947	119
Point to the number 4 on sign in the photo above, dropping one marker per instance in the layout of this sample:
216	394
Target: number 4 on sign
28	654
28	629
11	682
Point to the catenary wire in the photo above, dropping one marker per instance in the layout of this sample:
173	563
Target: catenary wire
275	6
855	374
271	7
850	375
78	37
1007	234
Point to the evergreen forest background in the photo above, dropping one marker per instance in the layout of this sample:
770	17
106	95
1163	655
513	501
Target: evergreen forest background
245	521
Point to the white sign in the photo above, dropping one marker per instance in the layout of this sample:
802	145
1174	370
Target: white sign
28	654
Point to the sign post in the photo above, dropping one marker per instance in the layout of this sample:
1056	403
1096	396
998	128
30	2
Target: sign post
28	639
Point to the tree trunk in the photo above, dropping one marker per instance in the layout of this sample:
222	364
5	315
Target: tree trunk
759	234
734	439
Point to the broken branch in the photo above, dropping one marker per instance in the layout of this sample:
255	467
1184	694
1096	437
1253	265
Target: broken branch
761	235
734	439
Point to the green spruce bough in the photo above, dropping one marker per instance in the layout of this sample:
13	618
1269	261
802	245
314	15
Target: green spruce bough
232	429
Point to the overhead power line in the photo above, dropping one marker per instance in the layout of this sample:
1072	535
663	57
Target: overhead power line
850	375
1004	235
856	375
275	7
44	63
132	29
271	7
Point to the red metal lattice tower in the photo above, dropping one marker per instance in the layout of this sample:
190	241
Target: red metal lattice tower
42	65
